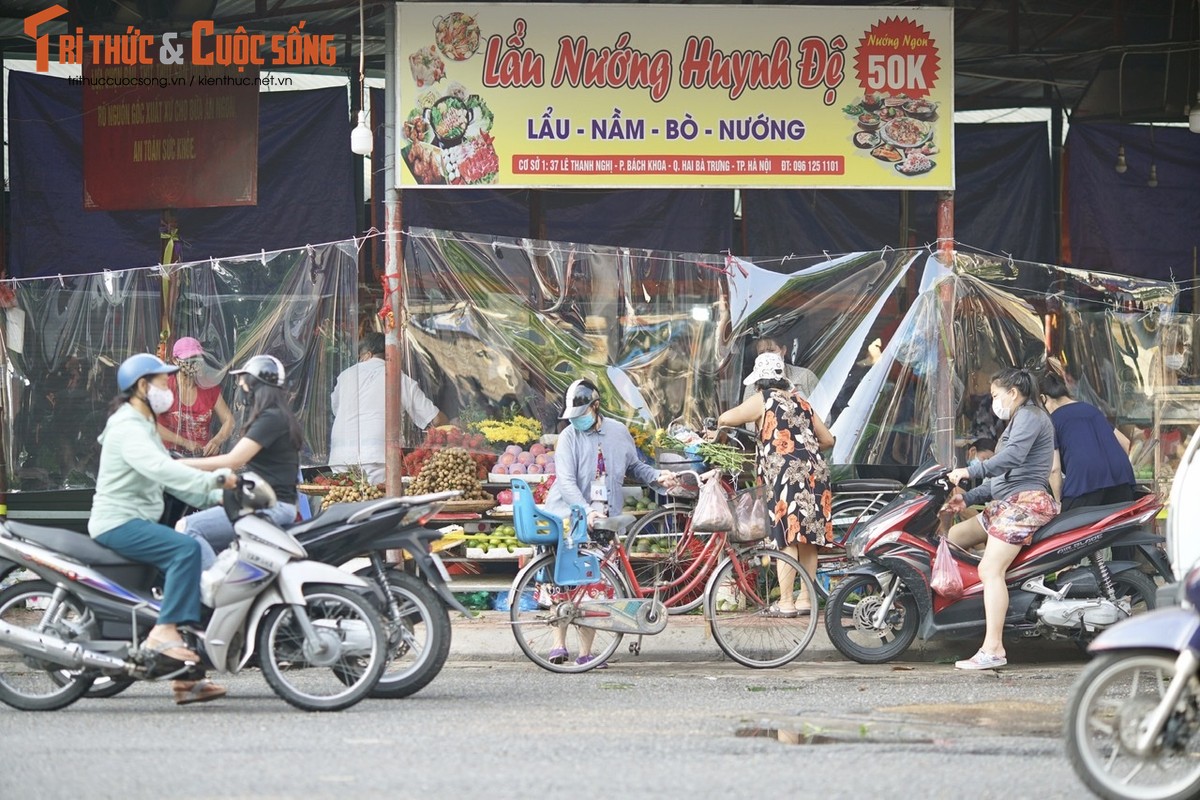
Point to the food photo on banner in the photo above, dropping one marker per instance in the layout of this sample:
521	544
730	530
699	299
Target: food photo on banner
610	96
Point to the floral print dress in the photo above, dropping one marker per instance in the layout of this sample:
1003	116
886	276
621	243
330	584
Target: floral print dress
790	462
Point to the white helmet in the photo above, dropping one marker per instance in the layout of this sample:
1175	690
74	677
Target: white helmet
579	398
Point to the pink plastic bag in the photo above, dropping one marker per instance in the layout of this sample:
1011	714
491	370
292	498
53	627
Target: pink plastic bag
945	579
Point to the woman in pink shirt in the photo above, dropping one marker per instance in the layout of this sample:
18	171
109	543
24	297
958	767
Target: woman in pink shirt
186	427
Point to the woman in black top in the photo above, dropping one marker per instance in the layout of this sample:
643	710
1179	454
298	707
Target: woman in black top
270	446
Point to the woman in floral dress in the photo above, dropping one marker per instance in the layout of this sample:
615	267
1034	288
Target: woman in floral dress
791	438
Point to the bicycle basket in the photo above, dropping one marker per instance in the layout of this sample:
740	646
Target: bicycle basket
752	514
678	461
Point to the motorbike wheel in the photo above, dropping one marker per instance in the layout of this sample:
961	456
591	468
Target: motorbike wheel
1138	587
336	670
1107	706
26	682
848	615
419	641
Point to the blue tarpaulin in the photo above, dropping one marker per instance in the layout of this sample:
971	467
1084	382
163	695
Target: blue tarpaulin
1119	223
305	186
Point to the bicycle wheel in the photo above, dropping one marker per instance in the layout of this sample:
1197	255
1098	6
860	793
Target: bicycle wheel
738	604
662	549
549	627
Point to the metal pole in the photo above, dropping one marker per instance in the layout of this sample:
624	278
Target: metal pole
943	433
393	269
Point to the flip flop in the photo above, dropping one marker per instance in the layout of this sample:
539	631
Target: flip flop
200	691
174	649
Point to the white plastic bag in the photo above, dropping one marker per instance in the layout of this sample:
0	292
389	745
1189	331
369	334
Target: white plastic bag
713	512
752	521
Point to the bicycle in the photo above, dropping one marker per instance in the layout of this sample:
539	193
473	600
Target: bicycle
855	500
581	583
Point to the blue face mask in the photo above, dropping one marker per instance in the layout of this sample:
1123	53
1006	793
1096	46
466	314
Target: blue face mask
584	423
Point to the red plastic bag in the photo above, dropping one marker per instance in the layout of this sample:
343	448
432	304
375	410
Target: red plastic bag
945	579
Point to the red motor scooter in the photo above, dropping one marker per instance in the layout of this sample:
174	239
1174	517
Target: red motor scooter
1060	586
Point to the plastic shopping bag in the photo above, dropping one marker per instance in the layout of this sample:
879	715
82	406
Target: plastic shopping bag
945	579
752	520
713	512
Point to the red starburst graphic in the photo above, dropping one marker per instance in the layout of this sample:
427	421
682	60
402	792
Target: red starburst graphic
897	56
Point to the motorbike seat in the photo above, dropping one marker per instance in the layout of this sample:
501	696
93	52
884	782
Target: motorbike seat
336	514
864	485
1076	518
79	546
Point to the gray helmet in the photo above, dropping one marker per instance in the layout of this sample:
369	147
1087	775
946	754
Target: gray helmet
579	398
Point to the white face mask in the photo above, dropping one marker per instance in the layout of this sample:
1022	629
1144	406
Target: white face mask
159	399
1174	361
1001	409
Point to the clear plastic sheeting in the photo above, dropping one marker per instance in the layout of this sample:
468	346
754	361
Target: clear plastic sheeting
497	326
903	348
64	338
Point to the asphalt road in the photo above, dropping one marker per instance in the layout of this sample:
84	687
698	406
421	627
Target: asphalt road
675	722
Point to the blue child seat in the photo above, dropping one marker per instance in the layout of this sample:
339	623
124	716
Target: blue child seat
534	526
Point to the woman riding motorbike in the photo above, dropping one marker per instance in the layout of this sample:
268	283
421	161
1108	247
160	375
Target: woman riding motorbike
135	469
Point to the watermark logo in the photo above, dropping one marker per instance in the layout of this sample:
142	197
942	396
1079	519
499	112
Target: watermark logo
204	47
43	42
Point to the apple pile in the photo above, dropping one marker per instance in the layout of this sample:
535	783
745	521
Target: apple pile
450	436
516	460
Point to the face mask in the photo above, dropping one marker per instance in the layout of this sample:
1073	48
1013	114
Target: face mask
1000	409
583	423
1174	361
159	399
189	367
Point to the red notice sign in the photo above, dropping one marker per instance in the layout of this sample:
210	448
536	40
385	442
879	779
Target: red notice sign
169	136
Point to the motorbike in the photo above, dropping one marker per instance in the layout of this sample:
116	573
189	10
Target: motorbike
312	629
1133	715
415	610
885	601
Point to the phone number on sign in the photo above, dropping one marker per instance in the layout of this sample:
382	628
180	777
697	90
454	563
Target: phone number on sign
670	165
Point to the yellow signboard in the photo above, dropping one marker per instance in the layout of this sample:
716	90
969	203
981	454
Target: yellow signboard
631	95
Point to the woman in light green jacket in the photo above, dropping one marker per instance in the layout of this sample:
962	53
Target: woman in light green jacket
135	469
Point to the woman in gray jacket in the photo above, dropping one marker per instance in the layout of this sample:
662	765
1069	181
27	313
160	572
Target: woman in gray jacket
1017	486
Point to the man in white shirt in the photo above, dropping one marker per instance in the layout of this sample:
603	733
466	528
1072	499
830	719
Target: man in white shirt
358	411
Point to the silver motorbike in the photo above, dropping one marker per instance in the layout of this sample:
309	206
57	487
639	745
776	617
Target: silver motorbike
311	628
1133	715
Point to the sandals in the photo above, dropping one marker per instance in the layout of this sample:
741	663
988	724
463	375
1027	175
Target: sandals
174	649
200	691
785	613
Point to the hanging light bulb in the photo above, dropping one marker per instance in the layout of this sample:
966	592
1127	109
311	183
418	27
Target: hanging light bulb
1153	177
361	139
1121	165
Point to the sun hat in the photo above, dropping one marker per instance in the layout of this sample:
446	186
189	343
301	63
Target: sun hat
187	347
767	367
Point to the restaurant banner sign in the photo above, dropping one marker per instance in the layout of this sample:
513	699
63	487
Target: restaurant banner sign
547	95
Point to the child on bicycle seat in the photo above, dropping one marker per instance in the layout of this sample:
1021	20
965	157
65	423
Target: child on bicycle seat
591	460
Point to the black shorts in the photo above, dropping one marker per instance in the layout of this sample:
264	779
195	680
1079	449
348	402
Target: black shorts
1100	497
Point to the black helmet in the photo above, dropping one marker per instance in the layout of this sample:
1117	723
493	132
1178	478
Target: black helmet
579	398
266	369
